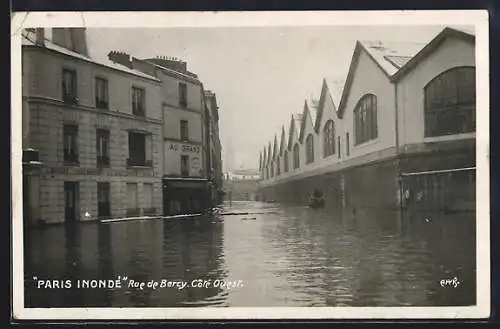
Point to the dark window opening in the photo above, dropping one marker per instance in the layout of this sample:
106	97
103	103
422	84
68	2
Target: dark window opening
101	93
184	130
139	145
450	103
70	133
102	147
365	119
184	165
328	139
182	94
69	86
138	101
309	149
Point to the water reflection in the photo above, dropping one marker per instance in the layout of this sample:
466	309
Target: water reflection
285	256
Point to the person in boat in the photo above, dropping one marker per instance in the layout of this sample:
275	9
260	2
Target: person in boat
316	200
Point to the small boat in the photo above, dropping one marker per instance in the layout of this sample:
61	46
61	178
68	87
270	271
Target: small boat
316	200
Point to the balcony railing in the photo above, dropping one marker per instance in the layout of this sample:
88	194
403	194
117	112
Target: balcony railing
100	104
149	211
131	212
70	98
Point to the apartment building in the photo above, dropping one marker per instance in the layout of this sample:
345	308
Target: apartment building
96	126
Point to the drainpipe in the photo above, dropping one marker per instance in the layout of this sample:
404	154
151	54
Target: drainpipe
396	126
396	117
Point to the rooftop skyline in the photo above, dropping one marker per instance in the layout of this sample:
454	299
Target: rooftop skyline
261	75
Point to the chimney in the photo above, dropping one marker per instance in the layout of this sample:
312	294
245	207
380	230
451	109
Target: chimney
120	57
40	37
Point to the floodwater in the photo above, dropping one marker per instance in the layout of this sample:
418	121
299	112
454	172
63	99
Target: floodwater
277	256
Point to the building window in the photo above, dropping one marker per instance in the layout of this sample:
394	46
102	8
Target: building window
267	172
296	156
147	192
69	87
310	149
138	101
347	147
102	147
278	168
101	93
70	133
365	119
450	103
338	146
328	139
182	94
139	147
103	200
184	130
272	170
133	200
286	161
184	165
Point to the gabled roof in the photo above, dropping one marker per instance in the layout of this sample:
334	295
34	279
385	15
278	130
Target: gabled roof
264	158
387	56
269	153
333	87
397	58
461	33
282	141
391	56
275	148
309	111
294	126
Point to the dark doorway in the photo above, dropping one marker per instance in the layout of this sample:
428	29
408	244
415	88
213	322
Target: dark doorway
71	195
103	202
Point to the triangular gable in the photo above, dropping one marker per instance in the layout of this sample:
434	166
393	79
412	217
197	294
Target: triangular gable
282	141
269	154
275	148
447	32
264	158
331	87
306	114
383	56
291	132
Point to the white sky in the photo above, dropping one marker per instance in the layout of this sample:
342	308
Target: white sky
260	74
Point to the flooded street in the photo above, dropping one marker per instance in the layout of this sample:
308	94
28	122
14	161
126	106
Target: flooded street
277	256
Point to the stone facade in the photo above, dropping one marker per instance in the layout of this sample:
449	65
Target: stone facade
48	112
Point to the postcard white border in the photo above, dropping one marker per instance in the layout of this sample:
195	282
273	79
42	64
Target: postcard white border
478	18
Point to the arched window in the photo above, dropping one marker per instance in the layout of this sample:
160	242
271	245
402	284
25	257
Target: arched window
267	173
309	149
286	161
296	156
450	103
328	139
365	119
278	167
272	169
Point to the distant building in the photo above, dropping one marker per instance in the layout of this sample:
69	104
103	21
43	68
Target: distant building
215	147
95	125
241	185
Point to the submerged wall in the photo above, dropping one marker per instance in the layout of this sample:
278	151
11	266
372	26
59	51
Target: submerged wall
383	184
